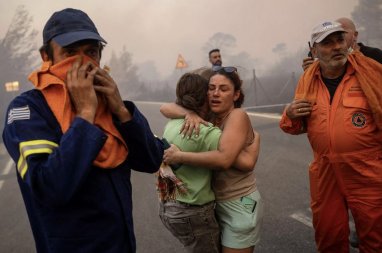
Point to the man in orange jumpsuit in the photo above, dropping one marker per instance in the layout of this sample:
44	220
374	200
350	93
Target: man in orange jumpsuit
338	104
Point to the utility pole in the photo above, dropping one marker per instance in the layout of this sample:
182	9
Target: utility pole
254	87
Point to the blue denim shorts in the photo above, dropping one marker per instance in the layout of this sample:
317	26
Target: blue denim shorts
240	221
193	225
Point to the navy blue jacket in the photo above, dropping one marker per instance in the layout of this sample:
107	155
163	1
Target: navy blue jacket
72	205
371	52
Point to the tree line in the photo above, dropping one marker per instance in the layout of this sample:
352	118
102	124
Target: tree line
19	56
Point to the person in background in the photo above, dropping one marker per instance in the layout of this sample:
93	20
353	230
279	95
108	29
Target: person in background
239	206
74	142
351	37
338	104
215	57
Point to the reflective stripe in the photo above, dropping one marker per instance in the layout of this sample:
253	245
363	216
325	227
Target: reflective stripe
33	147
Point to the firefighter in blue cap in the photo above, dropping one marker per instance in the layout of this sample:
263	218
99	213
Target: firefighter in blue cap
74	142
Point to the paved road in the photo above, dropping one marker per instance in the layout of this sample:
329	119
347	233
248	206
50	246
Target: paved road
281	176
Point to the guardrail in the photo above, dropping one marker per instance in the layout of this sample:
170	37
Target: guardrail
275	108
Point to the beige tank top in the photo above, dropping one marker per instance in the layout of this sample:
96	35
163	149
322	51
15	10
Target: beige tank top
233	183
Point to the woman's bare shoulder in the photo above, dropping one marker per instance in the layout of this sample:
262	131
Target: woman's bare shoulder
238	119
238	113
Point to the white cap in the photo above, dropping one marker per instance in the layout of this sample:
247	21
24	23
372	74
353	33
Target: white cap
324	29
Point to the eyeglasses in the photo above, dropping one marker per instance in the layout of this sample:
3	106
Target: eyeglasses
225	69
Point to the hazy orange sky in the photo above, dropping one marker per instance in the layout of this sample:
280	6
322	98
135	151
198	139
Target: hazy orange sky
158	30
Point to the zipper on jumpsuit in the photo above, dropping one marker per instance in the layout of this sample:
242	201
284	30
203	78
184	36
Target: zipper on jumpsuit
332	111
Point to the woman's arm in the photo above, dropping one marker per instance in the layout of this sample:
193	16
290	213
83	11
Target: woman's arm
173	111
232	141
192	120
248	156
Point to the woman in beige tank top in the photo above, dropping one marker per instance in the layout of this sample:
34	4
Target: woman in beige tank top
239	205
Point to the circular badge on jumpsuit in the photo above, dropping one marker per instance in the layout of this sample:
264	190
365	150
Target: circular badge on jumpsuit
358	119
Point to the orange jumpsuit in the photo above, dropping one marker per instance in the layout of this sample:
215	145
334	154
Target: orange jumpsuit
347	168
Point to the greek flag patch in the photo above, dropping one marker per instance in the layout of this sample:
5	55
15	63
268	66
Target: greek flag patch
19	113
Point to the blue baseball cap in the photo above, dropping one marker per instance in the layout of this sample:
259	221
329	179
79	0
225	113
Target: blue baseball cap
69	26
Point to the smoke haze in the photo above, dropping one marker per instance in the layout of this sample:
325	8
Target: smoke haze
156	31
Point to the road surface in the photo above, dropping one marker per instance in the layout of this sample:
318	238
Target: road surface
282	179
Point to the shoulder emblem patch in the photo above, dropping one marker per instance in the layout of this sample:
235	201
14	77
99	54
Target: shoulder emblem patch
358	120
19	113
